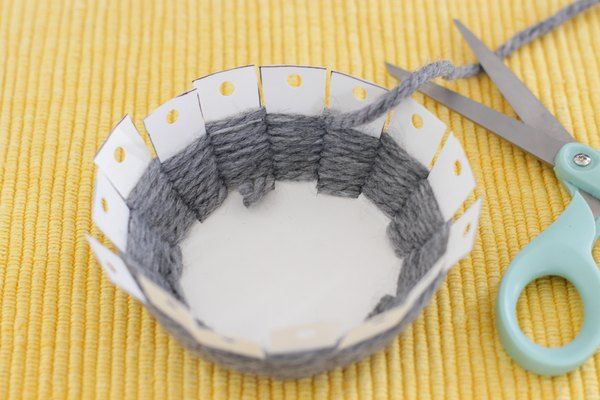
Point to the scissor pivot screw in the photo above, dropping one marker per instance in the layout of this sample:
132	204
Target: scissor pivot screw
582	159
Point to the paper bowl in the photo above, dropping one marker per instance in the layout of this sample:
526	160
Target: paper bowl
316	274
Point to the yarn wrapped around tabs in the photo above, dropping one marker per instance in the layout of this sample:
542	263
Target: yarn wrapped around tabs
249	153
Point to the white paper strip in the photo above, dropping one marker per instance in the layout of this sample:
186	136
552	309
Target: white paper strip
294	89
416	130
227	93
123	157
175	124
116	269
373	326
237	346
167	304
348	94
451	178
110	212
462	234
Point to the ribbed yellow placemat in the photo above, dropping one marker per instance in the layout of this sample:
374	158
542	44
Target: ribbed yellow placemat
70	69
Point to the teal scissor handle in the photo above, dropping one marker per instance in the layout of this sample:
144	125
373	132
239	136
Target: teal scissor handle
565	250
577	177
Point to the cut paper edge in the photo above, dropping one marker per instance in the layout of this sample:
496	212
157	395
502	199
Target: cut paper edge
227	93
416	130
175	125
116	269
123	157
347	93
293	89
451	178
110	212
304	337
463	233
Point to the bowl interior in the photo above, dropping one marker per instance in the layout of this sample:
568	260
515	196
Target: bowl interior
297	258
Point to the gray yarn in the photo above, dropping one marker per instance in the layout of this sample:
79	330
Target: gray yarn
394	174
419	235
195	176
297	142
528	35
155	199
149	253
420	260
417	263
346	161
418	219
243	153
447	70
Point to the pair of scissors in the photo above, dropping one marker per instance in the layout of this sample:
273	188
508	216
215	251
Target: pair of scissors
565	248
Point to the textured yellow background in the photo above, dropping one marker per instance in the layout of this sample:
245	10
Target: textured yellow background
70	69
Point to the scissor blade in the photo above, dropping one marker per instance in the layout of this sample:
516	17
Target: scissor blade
526	105
527	138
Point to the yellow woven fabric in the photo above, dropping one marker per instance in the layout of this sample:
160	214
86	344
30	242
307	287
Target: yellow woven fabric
70	69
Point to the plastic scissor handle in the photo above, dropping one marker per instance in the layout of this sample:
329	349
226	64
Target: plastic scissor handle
565	250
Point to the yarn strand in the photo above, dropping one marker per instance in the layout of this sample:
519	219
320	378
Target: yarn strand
447	70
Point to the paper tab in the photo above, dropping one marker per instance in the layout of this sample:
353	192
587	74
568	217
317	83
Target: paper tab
451	178
110	212
227	93
373	326
116	269
293	89
306	337
167	303
349	94
209	338
416	130
175	124
123	157
462	234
